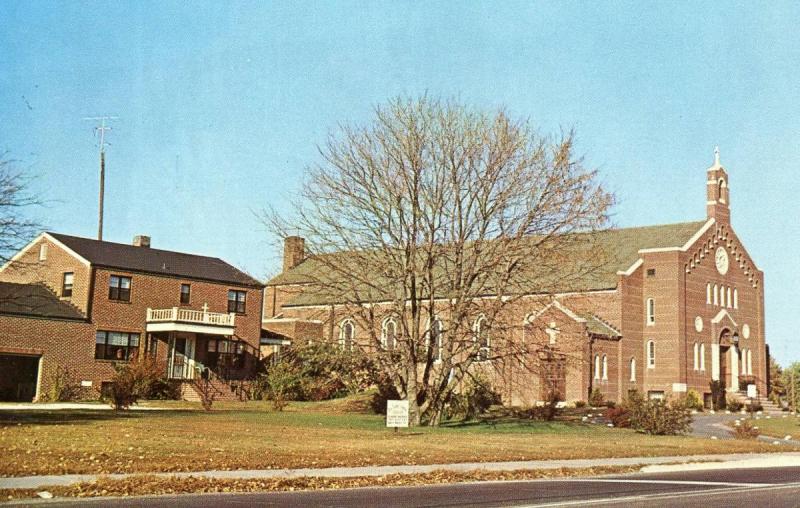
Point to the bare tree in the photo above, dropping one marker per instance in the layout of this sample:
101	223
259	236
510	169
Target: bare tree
441	218
16	230
16	200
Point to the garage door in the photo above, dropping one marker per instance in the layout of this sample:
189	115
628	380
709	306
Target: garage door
18	376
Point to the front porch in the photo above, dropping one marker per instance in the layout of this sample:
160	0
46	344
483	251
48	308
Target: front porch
199	344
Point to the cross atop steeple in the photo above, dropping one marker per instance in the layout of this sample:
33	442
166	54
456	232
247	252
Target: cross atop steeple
716	156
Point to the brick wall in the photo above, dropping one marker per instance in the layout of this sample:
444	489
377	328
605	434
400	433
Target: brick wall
159	292
29	269
69	344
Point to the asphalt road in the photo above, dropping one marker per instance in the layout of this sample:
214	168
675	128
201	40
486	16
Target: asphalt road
768	487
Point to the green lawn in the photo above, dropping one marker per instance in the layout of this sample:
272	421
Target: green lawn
252	436
779	427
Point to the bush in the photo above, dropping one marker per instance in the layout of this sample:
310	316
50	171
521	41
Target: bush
596	398
580	404
692	400
657	417
620	416
733	405
476	398
318	371
717	395
754	407
133	381
746	430
385	391
610	404
62	387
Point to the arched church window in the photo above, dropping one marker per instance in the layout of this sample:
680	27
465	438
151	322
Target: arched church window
347	332
708	293
605	368
702	357
633	370
389	334
597	366
735	298
716	295
651	354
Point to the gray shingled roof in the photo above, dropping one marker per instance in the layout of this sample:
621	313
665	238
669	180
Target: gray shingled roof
621	248
34	300
161	262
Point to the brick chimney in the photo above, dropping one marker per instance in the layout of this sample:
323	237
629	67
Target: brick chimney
294	251
141	241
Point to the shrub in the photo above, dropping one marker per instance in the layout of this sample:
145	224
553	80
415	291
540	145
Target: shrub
620	416
733	405
692	400
580	404
283	383
475	399
746	430
754	407
318	371
596	398
385	391
63	387
133	381
206	390
610	404
657	417
717	395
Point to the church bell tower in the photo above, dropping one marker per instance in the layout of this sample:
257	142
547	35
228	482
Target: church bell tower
717	192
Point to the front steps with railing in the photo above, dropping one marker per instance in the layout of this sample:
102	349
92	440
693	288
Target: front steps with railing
222	390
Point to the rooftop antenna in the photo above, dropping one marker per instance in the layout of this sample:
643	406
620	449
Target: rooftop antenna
101	131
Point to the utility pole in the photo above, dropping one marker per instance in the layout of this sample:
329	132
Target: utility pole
101	131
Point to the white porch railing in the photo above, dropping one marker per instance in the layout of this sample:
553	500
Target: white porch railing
176	314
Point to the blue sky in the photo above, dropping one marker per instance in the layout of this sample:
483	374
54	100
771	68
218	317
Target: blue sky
222	104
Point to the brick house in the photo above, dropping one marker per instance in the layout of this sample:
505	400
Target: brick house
682	305
88	305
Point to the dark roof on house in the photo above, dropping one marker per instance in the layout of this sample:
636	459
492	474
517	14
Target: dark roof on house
34	300
155	261
620	247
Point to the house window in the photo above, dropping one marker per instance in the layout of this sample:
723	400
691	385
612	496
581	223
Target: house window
66	286
347	332
651	272
482	338
224	354
597	366
119	288
389	334
605	368
43	252
655	395
651	354
702	357
436	339
121	346
236	301
186	293
708	293
633	370
651	312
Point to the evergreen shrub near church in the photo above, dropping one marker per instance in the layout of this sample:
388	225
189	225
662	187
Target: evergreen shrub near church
313	372
656	417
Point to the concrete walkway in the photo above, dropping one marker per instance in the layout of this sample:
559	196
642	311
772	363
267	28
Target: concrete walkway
722	461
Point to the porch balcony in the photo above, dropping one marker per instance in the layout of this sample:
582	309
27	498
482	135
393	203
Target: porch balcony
177	319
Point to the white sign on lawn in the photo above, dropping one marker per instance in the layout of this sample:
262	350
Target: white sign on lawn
752	392
397	413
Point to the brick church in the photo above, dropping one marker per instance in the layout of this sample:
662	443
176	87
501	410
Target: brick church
681	307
